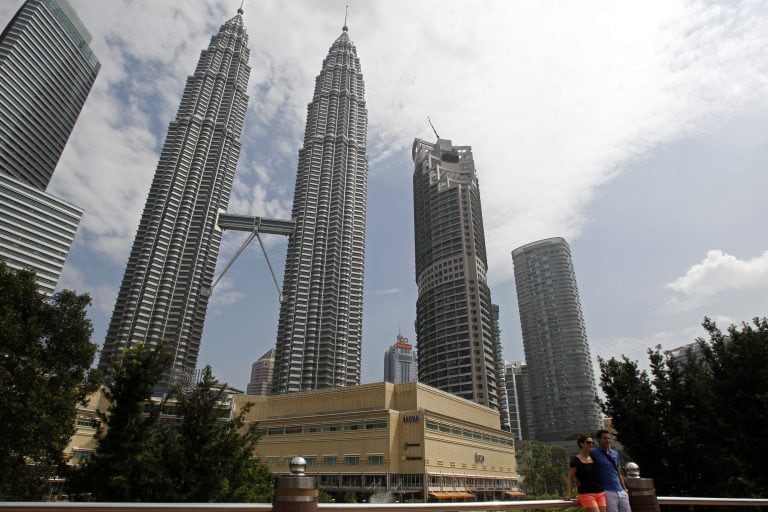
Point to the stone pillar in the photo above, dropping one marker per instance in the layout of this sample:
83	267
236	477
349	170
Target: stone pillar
296	492
642	493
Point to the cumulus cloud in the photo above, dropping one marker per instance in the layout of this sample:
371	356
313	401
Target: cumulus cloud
720	272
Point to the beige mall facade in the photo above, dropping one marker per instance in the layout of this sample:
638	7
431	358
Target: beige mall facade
410	440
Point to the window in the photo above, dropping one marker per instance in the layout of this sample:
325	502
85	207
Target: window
311	461
351	460
375	460
80	456
329	460
272	461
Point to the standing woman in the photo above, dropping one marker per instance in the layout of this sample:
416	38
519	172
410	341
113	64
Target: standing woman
584	470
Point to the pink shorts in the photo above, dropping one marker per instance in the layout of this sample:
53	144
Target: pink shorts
591	500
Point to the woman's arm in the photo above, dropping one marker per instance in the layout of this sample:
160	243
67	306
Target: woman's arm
569	483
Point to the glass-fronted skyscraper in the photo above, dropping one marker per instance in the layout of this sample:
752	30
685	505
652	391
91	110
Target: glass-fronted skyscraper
165	289
458	352
561	379
320	327
46	72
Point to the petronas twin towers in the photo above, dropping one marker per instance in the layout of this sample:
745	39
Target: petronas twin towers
165	290
166	286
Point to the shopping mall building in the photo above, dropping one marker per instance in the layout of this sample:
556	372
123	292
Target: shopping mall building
409	440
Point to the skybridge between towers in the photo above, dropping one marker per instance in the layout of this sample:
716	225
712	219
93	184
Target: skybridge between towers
254	226
251	224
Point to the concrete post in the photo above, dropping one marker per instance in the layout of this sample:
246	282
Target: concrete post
642	494
297	492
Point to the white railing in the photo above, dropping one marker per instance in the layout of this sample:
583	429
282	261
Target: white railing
348	507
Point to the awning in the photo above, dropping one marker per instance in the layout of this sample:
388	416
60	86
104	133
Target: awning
515	494
451	495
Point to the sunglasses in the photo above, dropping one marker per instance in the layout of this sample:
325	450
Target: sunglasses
589	442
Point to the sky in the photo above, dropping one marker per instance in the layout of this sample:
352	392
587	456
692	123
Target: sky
636	130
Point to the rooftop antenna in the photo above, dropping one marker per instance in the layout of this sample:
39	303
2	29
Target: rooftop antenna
433	127
240	10
346	11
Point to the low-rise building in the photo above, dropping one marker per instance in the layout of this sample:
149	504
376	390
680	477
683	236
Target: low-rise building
410	440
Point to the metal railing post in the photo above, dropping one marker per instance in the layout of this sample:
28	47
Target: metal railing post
296	492
642	493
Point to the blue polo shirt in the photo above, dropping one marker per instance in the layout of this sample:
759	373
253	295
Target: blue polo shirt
607	465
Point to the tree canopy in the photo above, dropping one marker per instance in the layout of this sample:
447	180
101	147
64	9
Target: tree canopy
45	359
543	468
696	424
193	452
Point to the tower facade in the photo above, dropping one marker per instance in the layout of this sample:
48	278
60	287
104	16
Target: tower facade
46	72
455	337
561	380
321	315
261	374
165	289
37	230
400	362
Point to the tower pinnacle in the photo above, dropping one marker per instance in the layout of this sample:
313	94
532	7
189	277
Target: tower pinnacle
240	10
346	11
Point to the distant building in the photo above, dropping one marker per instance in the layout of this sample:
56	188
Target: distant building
167	282
561	379
503	399
400	362
410	440
458	351
36	231
519	399
46	72
261	374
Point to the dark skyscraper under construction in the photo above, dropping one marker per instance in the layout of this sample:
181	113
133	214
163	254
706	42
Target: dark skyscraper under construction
321	315
165	290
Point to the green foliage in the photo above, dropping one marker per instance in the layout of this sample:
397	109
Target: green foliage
45	359
543	467
200	455
689	426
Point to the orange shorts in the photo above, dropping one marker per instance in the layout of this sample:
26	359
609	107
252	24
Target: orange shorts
591	500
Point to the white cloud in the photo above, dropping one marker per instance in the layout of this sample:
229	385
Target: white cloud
388	291
720	272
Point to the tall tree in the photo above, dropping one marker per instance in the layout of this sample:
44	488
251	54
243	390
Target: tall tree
196	452
689	424
128	464
216	456
543	468
45	359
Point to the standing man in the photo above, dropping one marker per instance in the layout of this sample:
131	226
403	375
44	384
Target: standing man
607	461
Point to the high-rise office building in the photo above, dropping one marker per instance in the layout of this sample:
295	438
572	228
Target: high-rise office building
400	362
165	289
36	230
46	72
560	374
458	352
320	327
261	374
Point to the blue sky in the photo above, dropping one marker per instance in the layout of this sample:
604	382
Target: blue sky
637	131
